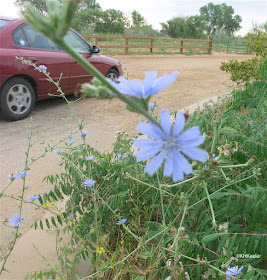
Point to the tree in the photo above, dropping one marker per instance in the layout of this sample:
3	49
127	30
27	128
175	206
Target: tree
109	21
137	19
40	5
220	17
185	27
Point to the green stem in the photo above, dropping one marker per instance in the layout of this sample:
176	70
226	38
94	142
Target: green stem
161	201
211	207
199	261
91	69
146	184
124	259
233	166
21	202
220	190
181	183
179	229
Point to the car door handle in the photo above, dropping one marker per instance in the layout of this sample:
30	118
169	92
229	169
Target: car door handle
32	59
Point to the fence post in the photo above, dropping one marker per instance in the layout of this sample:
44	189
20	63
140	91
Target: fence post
96	39
209	44
126	45
181	46
151	44
249	49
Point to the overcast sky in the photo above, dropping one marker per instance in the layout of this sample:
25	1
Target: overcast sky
157	11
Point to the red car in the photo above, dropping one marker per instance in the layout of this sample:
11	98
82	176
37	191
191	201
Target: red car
21	86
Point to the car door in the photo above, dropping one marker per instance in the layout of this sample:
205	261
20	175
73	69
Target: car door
42	51
78	74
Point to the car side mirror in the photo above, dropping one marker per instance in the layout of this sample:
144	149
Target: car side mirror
96	49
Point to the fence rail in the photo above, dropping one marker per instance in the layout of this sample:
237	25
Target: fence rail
151	46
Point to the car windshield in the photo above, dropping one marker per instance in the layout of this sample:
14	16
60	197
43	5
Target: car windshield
3	23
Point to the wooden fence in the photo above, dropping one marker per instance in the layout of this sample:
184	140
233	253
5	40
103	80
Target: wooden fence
151	46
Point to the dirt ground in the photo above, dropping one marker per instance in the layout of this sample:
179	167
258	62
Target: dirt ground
200	78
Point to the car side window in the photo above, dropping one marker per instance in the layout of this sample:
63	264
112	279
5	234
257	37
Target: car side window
76	42
19	38
37	40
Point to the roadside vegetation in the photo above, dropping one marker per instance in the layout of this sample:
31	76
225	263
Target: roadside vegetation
199	215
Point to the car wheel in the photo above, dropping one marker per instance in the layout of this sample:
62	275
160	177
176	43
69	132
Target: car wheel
113	74
17	99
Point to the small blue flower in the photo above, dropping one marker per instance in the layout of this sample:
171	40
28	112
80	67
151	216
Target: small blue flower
71	138
20	174
70	217
89	183
11	176
152	106
15	220
122	221
34	197
84	133
90	158
150	86
121	156
233	271
169	142
58	151
214	157
42	68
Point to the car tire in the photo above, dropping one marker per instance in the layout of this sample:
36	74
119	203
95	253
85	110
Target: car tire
17	99
113	74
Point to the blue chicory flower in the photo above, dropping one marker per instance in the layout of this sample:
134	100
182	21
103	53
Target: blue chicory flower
11	176
20	174
42	68
90	158
70	217
121	156
150	86
84	133
15	221
34	197
233	271
169	142
71	138
58	151
89	183
152	106
122	221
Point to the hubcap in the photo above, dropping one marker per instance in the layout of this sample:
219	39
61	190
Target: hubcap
19	99
112	76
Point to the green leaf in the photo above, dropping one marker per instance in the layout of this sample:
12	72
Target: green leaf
53	221
59	219
231	244
212	237
228	129
221	243
249	275
145	255
41	225
47	223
